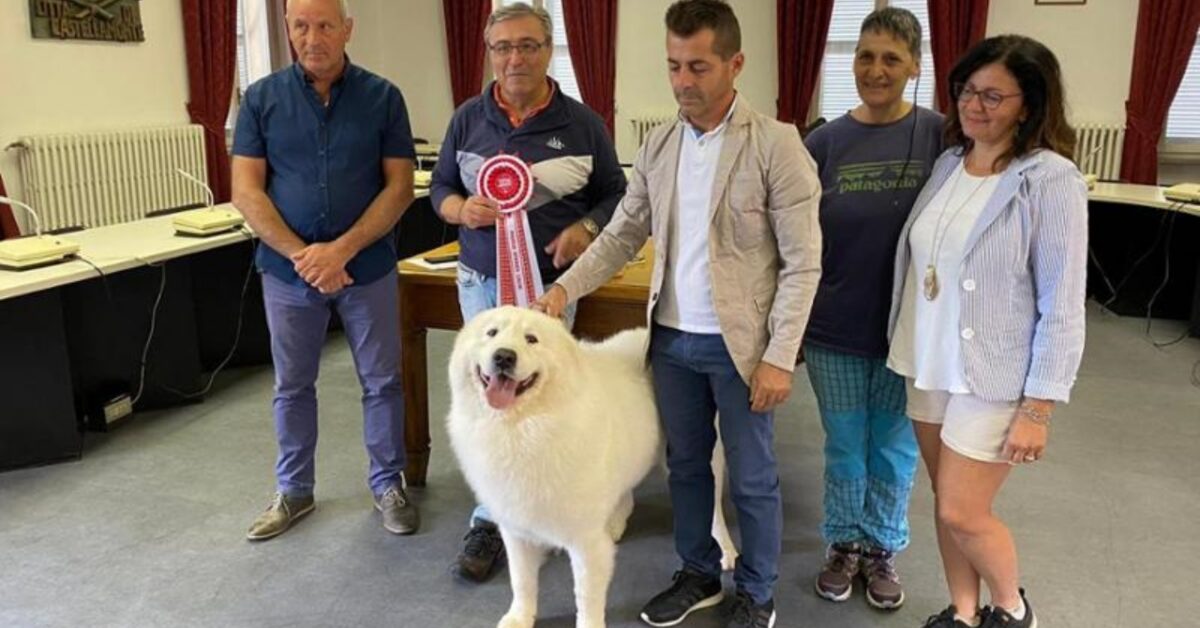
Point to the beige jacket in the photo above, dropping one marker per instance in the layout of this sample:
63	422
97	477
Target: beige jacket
764	242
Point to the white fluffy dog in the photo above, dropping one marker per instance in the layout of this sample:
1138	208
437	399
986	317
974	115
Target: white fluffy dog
553	435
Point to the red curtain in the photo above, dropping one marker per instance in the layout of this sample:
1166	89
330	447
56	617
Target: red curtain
465	20
954	26
1166	35
210	36
592	32
802	27
8	226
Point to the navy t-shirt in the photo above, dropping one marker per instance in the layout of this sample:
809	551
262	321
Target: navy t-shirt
325	164
868	191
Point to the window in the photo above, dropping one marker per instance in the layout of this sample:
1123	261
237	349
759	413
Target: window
1183	120
560	69
253	52
837	92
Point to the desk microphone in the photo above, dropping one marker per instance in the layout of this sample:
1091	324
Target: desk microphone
37	222
207	221
207	190
38	250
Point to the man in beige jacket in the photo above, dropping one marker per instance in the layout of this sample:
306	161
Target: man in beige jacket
731	197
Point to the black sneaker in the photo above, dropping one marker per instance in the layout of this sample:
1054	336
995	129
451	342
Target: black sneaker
996	617
482	553
691	592
747	614
945	619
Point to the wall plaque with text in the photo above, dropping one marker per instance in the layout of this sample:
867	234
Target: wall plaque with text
99	20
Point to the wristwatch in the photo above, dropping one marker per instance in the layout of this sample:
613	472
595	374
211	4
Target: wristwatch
590	226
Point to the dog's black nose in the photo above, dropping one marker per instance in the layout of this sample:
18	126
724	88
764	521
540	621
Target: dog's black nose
504	359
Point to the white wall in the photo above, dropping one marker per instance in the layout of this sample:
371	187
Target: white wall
52	86
405	42
1094	46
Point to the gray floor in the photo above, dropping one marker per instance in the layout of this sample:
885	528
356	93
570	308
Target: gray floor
146	530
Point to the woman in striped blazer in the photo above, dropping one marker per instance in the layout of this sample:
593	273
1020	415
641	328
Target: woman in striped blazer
987	320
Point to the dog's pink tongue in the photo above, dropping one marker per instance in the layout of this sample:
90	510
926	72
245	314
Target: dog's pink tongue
501	392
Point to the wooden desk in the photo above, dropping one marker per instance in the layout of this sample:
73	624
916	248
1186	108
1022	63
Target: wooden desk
429	300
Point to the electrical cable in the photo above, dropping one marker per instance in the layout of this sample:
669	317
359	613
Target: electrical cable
162	285
237	338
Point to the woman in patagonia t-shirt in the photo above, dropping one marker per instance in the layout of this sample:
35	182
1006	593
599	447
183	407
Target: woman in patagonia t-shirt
873	161
988	312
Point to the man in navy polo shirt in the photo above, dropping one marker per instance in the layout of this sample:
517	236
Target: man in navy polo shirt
322	170
578	183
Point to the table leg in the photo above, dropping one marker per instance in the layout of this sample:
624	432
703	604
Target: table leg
414	376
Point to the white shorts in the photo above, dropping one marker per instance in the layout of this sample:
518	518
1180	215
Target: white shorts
971	426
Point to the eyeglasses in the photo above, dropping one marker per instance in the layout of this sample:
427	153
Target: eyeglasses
990	98
525	48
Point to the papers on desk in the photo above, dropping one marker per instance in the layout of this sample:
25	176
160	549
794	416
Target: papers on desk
422	178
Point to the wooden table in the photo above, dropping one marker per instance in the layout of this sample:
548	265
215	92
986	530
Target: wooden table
429	300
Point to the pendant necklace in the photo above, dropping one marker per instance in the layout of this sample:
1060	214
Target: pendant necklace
930	284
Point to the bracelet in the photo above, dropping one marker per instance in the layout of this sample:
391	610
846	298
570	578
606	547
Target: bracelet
1033	415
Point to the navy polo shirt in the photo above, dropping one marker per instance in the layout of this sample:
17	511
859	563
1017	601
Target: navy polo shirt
324	163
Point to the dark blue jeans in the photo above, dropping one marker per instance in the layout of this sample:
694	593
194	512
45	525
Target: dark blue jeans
298	317
694	381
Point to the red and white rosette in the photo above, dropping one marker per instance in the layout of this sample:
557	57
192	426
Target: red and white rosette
508	181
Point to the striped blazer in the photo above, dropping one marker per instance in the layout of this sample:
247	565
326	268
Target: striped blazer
1023	279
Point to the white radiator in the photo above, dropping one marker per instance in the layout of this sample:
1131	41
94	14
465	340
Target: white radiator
95	179
642	125
1099	150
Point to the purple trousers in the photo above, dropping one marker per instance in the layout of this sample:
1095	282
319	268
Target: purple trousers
297	317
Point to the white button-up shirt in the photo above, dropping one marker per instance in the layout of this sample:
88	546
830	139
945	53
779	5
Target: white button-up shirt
686	302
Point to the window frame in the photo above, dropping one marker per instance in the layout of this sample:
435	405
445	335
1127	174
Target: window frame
1182	150
258	38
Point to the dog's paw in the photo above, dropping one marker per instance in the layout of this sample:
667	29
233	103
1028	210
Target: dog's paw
592	623
512	620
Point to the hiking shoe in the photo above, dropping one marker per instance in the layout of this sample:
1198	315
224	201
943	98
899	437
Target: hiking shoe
836	580
945	619
482	553
747	614
279	516
878	568
997	617
690	592
400	514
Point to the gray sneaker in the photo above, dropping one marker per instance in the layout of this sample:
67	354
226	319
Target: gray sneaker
400	514
836	580
279	516
883	585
